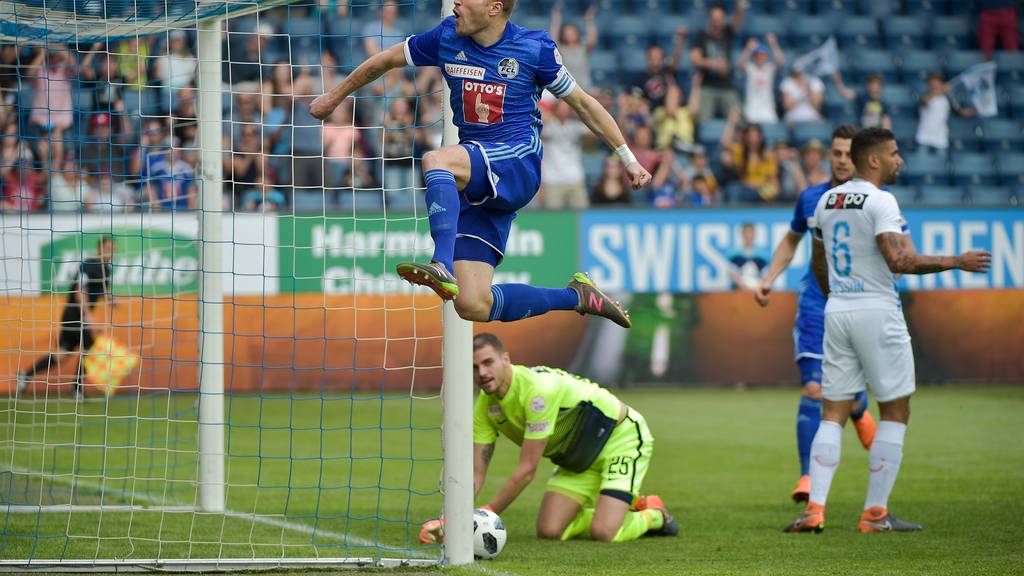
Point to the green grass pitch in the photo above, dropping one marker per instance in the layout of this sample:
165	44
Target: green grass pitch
724	461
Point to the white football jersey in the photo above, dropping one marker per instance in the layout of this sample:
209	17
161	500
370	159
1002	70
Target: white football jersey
848	218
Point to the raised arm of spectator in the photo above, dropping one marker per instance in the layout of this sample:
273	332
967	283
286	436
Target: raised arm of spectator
556	23
693	104
730	128
738	15
748	49
664	171
677	48
773	43
841	87
590	23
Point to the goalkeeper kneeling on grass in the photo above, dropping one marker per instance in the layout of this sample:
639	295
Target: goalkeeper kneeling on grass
601	446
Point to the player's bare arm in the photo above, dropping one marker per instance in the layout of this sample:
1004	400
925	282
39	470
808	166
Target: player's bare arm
781	259
373	68
529	458
902	258
601	123
482	454
819	264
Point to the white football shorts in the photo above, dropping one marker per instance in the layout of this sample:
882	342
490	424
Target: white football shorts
867	347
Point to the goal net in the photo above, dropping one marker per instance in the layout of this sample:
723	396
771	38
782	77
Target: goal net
206	359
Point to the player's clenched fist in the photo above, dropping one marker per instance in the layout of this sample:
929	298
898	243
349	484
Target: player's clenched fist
638	175
763	293
977	261
321	107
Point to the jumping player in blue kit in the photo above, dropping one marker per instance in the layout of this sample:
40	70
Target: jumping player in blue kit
809	331
497	72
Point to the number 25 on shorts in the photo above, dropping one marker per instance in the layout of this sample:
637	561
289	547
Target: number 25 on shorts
620	465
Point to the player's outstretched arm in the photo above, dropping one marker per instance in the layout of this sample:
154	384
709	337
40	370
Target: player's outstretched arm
368	71
902	257
819	264
529	459
601	123
781	259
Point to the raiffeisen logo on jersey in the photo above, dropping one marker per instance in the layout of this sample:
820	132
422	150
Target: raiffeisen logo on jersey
845	201
464	71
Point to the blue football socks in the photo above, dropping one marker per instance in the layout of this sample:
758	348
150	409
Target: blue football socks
443	214
808	417
518	301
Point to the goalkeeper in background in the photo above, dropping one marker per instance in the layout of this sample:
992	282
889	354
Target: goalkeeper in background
601	446
91	283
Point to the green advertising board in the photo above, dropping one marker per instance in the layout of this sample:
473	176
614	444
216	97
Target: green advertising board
342	254
147	261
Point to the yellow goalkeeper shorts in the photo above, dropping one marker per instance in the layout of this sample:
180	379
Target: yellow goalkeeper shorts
621	465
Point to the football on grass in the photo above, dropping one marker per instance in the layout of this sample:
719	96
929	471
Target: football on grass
488	534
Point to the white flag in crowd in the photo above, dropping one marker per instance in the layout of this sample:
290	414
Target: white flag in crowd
976	88
822	61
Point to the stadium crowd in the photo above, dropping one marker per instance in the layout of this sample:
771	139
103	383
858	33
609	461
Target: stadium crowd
710	101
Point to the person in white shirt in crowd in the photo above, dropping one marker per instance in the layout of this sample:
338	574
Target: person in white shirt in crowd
562	178
575	55
933	120
760	68
177	69
802	97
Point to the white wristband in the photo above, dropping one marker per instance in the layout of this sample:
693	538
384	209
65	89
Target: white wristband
625	154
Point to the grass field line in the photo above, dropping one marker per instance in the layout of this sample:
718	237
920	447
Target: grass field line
177	506
478	567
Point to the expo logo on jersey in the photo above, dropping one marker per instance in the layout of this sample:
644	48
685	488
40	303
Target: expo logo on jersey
845	201
483	102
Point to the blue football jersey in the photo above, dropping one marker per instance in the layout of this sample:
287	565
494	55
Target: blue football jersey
812	300
494	90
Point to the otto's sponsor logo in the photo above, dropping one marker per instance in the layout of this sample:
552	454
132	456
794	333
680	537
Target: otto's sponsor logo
483	102
845	201
464	71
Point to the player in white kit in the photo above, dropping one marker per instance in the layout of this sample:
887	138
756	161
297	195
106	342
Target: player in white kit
860	245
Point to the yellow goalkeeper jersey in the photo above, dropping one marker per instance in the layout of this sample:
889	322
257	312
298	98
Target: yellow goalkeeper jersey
541	403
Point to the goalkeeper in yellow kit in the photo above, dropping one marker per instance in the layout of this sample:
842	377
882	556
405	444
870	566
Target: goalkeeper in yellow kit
601	446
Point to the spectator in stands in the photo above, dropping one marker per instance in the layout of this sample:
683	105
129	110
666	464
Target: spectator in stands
712	55
105	80
748	263
998	19
660	191
802	97
254	201
108	145
873	111
674	124
101	193
244	166
23	186
399	138
52	75
700	166
702	194
9	62
65	194
610	190
341	139
184	123
176	69
933	121
756	164
382	33
634	111
132	57
660	76
246	108
759	96
277	109
562	177
798	170
248	65
575	56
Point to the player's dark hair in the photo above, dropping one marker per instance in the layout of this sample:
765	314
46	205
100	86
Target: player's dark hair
865	142
488	339
104	239
715	6
844	131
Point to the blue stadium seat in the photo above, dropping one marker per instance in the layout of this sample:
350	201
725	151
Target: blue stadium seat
1009	67
950	33
959	60
865	62
809	32
636	29
1001	135
803	132
1011	169
790	8
925	170
710	132
836	10
1016	93
905	129
397	200
924	9
776	132
915	65
760	26
854	31
974	169
942	195
995	196
904	32
899	100
964	134
308	201
665	29
905	195
604	67
365	200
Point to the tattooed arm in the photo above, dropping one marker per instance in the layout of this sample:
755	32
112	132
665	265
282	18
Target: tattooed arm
902	258
482	454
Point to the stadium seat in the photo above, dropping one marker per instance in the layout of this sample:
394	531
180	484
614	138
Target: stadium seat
924	9
308	201
803	132
996	196
836	10
635	29
364	200
974	169
904	127
865	62
604	67
904	32
964	134
1001	135
899	100
959	60
593	165
789	8
1016	93
710	131
397	200
761	26
915	65
1010	168
665	29
1009	68
809	32
776	132
942	196
950	33
925	170
905	195
857	31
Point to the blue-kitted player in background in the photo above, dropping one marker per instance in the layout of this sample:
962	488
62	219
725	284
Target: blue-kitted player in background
497	72
809	332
